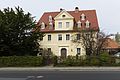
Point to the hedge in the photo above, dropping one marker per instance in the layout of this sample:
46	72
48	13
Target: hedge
21	61
34	61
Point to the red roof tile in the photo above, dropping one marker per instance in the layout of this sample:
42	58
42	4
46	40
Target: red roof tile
90	16
110	44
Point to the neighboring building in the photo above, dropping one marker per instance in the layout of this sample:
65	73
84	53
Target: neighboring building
59	28
111	46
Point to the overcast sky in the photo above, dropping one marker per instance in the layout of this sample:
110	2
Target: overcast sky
108	11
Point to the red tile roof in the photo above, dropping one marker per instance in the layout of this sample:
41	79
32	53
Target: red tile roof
111	44
90	16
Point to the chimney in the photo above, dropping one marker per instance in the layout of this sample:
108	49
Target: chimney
76	9
61	9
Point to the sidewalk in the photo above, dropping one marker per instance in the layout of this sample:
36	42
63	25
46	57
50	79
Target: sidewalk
60	69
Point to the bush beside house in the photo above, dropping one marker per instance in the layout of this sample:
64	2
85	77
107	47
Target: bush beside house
21	61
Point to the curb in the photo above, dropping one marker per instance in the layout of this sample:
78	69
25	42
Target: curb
60	69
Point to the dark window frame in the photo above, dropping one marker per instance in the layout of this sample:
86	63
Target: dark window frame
59	37
49	37
67	36
78	51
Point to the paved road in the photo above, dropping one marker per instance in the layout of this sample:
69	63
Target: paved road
59	75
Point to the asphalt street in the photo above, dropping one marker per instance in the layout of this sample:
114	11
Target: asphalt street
59	75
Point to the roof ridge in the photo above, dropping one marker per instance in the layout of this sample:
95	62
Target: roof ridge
70	11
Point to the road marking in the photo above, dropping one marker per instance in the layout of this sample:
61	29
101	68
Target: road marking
39	76
34	77
30	77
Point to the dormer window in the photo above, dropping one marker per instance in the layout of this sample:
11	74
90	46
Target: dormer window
79	24
50	18
50	25
42	25
82	17
87	24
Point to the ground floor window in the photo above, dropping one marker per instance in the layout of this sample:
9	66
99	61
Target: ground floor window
49	52
78	51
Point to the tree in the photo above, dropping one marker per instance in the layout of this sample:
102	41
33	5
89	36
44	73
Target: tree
92	41
117	38
16	33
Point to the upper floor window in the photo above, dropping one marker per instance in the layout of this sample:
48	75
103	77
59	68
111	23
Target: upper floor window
67	24
60	37
49	37
87	24
67	36
82	17
59	24
78	36
88	36
78	51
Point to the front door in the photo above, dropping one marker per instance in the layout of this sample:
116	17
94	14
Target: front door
63	53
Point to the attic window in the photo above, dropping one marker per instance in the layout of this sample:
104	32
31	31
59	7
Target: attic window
50	25
63	15
79	24
87	24
42	25
82	17
50	18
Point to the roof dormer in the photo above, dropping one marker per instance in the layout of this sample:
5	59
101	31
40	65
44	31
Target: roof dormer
82	17
76	9
42	25
50	18
50	25
79	24
87	24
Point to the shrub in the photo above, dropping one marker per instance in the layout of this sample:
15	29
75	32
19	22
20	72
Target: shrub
21	61
105	59
94	61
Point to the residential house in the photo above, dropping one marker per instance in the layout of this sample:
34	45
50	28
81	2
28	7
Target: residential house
59	28
111	46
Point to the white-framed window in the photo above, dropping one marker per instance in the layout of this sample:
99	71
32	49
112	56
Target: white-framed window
67	36
49	37
87	24
59	37
79	24
42	25
67	24
78	51
50	25
59	24
50	18
83	17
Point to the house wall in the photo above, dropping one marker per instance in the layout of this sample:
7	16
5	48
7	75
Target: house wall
67	18
64	24
57	45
